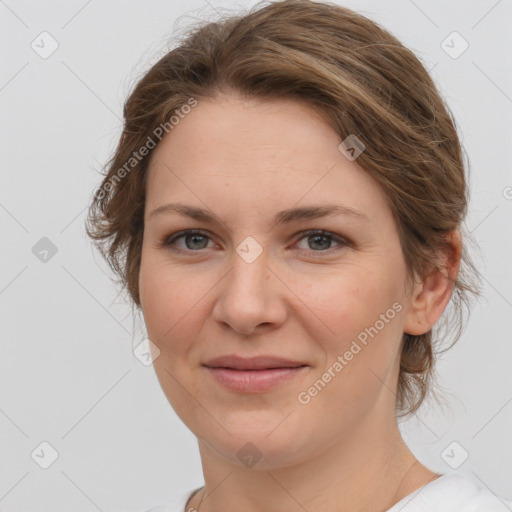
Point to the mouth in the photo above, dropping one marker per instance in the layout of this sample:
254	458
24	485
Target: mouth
255	380
253	374
264	362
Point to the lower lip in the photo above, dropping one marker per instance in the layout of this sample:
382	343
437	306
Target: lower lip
254	381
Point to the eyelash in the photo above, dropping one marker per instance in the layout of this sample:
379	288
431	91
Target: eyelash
167	243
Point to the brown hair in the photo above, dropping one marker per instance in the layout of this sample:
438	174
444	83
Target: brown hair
364	82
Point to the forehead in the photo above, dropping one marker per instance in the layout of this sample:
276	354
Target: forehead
233	149
235	126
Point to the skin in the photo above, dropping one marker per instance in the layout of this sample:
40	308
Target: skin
303	298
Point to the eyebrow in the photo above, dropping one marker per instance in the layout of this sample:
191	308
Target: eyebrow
283	217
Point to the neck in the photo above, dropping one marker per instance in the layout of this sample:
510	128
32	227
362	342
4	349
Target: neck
369	471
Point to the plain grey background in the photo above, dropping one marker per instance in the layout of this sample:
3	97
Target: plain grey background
68	376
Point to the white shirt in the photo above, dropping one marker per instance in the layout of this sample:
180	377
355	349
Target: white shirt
451	492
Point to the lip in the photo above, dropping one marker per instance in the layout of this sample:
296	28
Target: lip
254	381
253	374
263	362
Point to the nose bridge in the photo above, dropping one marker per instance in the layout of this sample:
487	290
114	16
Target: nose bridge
249	268
246	298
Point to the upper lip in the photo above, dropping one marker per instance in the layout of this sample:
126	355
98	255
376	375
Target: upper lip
251	363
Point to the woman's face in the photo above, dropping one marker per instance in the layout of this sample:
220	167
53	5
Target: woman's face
248	285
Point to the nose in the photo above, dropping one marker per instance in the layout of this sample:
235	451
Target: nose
250	296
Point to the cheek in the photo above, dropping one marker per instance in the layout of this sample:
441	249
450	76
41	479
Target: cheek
353	297
173	304
362	309
162	300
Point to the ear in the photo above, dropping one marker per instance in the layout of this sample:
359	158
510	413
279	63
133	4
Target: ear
432	294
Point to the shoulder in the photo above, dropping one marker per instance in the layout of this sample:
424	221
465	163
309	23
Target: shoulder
450	492
177	504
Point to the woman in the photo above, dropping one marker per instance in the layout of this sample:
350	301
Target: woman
285	208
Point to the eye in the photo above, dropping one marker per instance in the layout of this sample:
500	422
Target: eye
194	239
318	240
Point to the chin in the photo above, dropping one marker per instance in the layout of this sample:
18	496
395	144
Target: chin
259	445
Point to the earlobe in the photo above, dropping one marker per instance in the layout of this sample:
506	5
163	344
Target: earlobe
431	295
